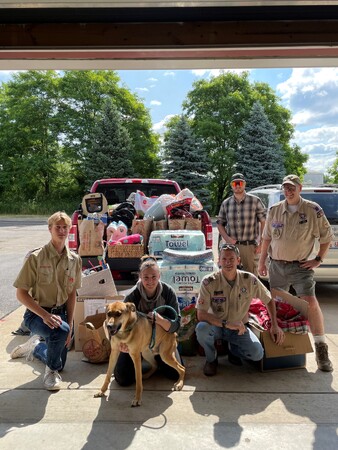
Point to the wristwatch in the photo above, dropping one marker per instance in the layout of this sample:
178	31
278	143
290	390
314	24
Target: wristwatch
224	323
318	258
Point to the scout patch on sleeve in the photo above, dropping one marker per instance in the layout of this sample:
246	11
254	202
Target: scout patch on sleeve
208	280
319	211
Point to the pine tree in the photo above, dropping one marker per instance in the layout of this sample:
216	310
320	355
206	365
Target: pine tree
260	156
109	155
185	160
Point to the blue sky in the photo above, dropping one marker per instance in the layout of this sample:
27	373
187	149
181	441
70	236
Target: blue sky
310	93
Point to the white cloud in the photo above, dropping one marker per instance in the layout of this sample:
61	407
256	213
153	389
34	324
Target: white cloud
321	144
142	89
312	96
152	79
160	126
155	103
169	74
215	72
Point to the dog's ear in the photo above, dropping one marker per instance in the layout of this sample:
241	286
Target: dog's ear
131	306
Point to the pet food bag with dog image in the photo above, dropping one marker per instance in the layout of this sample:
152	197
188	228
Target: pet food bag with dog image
93	338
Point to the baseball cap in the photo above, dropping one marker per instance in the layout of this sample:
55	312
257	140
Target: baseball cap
237	176
291	179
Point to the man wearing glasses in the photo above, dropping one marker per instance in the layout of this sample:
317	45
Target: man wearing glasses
289	236
241	220
222	310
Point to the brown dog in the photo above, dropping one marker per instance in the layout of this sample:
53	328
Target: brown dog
127	326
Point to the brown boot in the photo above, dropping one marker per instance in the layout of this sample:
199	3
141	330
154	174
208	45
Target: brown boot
322	357
210	368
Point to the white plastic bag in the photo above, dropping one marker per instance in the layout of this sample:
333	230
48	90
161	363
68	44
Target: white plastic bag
143	203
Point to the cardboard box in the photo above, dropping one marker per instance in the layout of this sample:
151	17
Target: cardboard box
298	303
292	353
89	306
98	283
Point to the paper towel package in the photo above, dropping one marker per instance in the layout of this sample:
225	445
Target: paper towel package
184	278
176	240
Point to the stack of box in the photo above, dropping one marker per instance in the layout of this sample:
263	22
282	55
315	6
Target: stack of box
98	289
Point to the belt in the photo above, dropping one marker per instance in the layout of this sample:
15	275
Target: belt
282	261
246	242
55	309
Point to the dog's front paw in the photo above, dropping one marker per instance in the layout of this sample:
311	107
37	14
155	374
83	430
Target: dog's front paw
178	386
136	403
99	394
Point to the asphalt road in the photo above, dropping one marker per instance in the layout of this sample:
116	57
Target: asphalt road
20	235
17	237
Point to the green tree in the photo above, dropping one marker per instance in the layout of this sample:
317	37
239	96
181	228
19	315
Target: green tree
260	156
47	125
111	148
29	146
185	159
294	160
333	171
83	96
219	107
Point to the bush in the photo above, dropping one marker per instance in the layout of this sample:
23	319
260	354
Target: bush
38	207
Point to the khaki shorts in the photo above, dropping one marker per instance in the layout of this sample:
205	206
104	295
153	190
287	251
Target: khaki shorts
283	276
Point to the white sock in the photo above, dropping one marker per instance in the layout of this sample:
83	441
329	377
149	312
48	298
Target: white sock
319	339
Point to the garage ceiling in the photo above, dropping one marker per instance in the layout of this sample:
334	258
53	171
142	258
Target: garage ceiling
279	34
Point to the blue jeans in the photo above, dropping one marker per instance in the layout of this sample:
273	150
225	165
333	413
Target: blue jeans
246	346
53	351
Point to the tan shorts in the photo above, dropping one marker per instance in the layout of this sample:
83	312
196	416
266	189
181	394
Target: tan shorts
284	275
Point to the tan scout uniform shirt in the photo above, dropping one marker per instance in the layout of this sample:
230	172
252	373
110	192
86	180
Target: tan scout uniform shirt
231	302
50	277
293	235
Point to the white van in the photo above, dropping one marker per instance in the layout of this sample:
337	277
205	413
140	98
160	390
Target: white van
327	198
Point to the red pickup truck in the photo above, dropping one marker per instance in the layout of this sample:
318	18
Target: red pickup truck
117	190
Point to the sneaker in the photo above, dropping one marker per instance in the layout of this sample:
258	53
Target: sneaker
26	349
322	357
210	368
51	379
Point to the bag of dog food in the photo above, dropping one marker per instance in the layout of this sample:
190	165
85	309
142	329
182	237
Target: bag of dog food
94	339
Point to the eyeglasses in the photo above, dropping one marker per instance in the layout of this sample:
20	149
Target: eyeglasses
289	188
236	183
231	247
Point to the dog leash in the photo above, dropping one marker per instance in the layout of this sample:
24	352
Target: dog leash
153	331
